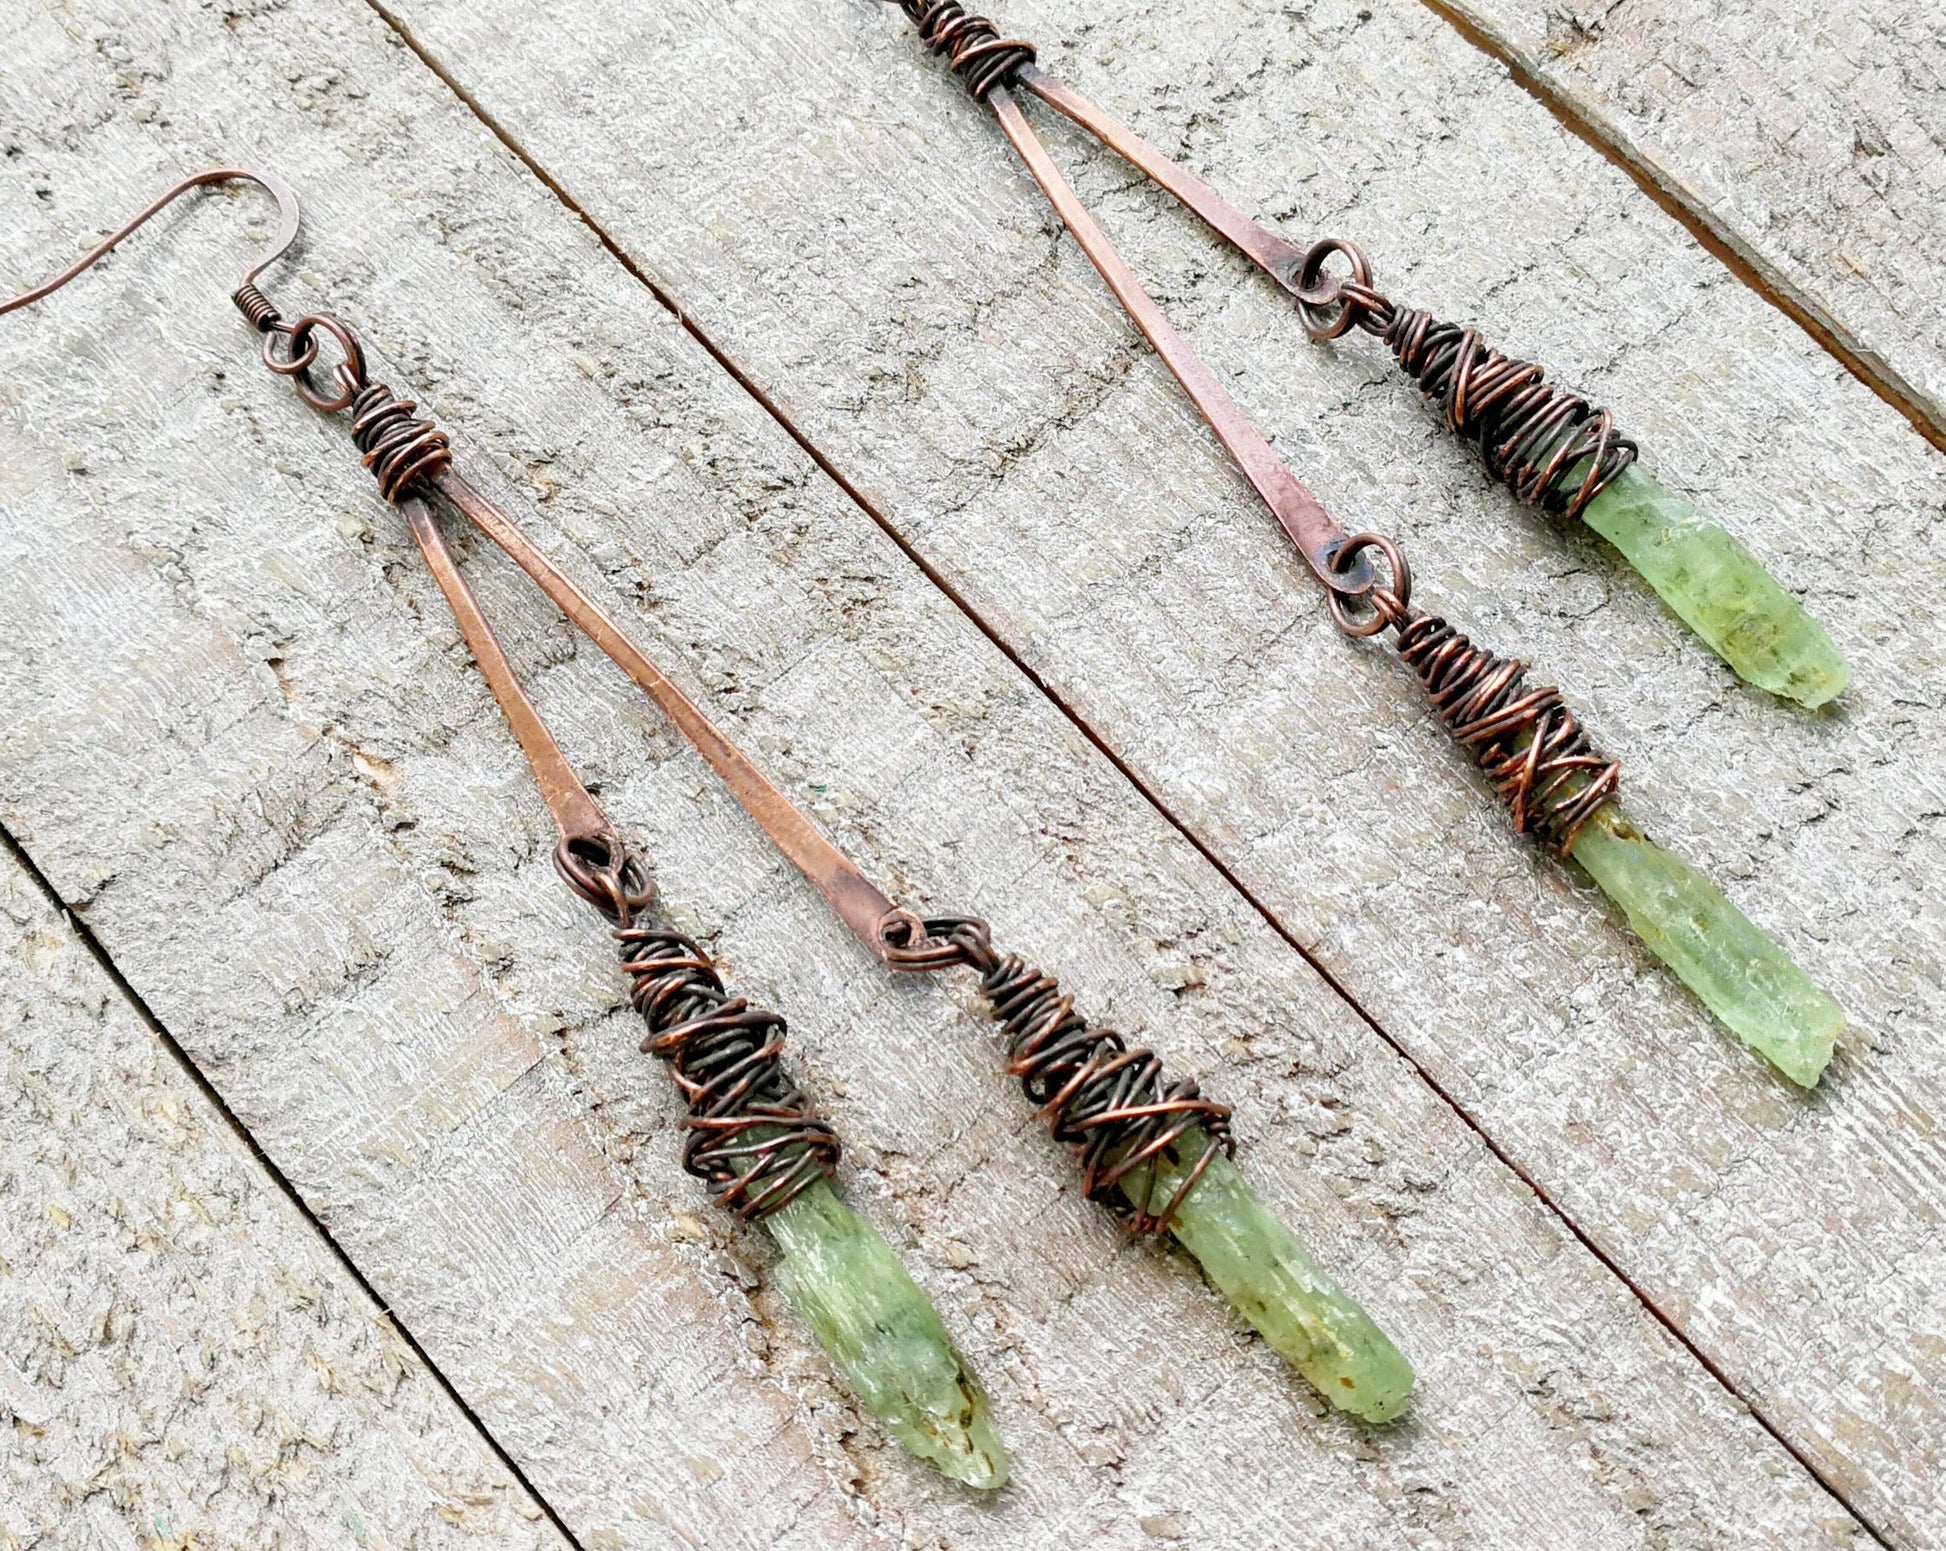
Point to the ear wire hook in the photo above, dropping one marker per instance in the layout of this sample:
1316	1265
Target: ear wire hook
290	217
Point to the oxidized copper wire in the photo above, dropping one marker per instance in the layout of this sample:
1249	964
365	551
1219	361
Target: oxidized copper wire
1532	434
1111	1104
971	45
1526	740
402	453
754	1136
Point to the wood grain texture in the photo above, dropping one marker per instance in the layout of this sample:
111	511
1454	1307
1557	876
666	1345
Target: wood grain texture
850	228
183	1362
1813	138
237	731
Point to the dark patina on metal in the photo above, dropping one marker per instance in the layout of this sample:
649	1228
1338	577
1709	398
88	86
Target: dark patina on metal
1551	446
754	1135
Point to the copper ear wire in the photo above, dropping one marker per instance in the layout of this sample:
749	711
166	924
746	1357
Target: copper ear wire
289	219
753	1134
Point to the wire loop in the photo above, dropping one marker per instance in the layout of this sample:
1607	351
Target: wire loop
1388	603
971	45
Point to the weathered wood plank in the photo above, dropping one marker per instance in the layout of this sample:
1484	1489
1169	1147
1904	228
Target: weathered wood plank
854	232
1813	138
239	733
185	1361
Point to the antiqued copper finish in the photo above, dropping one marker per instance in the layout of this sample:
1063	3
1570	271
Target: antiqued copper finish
1549	445
1277	257
289	218
858	901
1527	741
753	1134
1112	1105
1317	536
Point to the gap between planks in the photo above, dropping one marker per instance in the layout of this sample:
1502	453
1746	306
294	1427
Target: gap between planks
1716	238
84	934
1584	129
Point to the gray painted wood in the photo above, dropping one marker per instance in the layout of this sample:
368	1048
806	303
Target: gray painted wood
240	735
1814	138
183	1362
852	230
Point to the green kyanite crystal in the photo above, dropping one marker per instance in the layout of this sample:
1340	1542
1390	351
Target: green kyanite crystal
847	1285
1255	1262
1741	975
1719	589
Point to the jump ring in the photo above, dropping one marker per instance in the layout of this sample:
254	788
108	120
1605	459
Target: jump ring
1388	603
303	352
1328	310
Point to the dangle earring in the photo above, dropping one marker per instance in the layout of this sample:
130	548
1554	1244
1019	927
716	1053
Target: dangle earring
753	1135
1155	1151
1549	446
1555	450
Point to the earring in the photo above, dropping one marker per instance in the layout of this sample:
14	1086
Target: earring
753	1135
1154	1150
1555	450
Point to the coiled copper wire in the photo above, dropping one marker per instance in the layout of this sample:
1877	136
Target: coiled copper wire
402	452
1532	434
1113	1105
753	1133
971	45
256	307
1527	741
754	1136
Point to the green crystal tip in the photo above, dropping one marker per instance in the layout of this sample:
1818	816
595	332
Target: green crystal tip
1740	974
883	1332
1293	1303
1719	589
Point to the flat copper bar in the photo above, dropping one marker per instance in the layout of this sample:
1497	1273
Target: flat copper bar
1279	259
1317	536
575	812
858	901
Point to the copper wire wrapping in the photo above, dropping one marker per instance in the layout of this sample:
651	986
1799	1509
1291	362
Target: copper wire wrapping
1526	740
754	1136
1532	434
256	307
400	451
971	45
1113	1105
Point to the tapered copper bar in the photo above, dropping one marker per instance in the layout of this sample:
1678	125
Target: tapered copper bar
859	902
1314	531
575	812
1280	259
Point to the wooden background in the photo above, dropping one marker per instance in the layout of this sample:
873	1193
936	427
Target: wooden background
336	1207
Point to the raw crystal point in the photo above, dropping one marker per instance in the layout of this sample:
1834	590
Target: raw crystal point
847	1285
1741	975
1719	589
1255	1262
